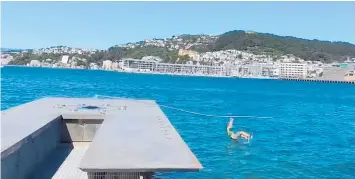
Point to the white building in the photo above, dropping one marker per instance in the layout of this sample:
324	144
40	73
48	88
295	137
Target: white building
115	65
293	70
153	66
257	69
35	63
276	72
152	58
65	59
107	64
93	66
251	70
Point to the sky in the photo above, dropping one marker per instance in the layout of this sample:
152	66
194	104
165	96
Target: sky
101	25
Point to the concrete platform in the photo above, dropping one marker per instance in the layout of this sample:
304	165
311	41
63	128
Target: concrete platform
125	136
62	163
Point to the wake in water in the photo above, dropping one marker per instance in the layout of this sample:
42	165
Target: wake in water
244	141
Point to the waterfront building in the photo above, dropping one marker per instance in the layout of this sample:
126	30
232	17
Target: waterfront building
114	66
138	65
35	63
275	72
107	65
257	69
235	70
293	70
267	69
152	58
65	59
154	66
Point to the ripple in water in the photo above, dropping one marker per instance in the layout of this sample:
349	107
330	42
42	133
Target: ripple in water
312	134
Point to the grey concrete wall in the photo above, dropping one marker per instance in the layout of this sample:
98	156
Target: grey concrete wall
31	151
35	148
79	130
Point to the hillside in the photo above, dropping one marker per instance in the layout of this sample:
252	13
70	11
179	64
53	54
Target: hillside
313	50
257	43
167	49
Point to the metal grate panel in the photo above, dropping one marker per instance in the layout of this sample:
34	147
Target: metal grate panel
120	175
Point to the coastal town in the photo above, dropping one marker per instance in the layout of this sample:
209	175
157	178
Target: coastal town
223	63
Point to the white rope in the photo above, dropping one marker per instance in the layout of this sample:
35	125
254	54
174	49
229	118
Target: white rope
191	112
210	115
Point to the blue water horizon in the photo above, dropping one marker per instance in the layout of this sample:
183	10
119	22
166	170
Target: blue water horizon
311	133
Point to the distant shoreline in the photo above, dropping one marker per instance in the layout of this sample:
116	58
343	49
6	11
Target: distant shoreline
141	72
122	71
196	75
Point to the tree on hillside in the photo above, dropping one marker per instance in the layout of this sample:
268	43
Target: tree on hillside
183	59
256	43
278	45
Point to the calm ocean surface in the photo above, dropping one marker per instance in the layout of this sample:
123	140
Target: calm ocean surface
311	135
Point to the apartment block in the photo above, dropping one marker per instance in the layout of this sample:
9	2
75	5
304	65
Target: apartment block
293	70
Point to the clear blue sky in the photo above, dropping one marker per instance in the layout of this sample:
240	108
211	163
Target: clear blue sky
104	24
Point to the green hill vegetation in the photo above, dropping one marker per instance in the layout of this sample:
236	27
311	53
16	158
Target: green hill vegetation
313	50
257	43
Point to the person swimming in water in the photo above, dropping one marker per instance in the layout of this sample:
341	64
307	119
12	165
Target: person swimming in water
237	134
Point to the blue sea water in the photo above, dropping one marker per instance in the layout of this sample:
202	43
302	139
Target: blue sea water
311	134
